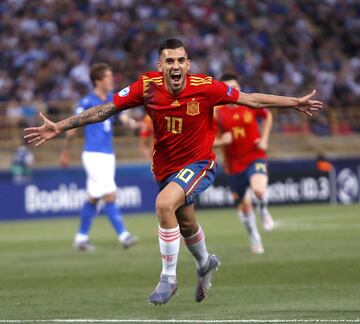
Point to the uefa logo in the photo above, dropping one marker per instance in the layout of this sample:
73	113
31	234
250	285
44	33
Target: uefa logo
348	186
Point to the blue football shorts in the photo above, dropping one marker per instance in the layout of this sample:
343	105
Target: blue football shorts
240	182
193	178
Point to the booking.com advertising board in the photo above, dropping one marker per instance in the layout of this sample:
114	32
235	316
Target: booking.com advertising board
61	193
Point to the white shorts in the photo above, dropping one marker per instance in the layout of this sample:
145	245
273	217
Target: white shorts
100	171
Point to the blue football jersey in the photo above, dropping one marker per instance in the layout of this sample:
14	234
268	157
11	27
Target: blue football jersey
98	136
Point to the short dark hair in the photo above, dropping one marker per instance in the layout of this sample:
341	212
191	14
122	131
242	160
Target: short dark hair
98	70
171	43
229	76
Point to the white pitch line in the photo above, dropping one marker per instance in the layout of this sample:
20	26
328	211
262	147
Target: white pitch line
357	320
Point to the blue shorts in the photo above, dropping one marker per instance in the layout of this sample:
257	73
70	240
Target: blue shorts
240	182
193	178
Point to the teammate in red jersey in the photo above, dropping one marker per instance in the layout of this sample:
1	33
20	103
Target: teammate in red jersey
244	155
181	108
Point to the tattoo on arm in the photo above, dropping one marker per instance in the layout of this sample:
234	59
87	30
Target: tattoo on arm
93	115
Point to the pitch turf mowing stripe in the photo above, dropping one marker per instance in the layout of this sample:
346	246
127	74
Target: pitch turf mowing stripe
183	321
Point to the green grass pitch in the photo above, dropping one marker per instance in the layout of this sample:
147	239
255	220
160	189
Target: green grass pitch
310	270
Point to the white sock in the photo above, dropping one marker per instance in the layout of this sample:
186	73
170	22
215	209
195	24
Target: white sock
249	221
123	236
263	202
81	238
169	241
196	245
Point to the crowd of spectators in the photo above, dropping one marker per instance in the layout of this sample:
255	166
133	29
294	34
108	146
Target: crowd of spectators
276	46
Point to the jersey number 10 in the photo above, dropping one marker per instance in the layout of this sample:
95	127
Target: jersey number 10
174	124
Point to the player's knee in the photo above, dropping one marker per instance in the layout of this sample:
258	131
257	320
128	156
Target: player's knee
259	192
245	206
164	206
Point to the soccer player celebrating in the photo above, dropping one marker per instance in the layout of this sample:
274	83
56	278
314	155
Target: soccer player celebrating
244	152
181	108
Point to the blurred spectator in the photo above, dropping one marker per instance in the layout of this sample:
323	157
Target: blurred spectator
21	165
320	126
21	114
277	46
14	113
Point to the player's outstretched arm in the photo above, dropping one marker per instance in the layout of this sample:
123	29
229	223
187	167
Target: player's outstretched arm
258	100
49	129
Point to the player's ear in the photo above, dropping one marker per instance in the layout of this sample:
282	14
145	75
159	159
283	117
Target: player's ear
159	66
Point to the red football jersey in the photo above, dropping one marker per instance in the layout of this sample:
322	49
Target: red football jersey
183	124
146	128
241	121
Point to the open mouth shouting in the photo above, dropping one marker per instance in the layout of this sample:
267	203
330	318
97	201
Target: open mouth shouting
176	79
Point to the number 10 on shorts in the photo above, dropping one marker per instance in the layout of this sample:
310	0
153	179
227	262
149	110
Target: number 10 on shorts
185	175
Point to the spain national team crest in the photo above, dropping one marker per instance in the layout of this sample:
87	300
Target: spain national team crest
193	108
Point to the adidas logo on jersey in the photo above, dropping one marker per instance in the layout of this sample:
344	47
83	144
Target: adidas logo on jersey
175	103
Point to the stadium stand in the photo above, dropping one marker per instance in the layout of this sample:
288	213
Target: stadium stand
281	47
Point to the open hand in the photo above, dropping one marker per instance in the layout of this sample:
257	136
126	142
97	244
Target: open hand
41	134
261	144
226	138
307	106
